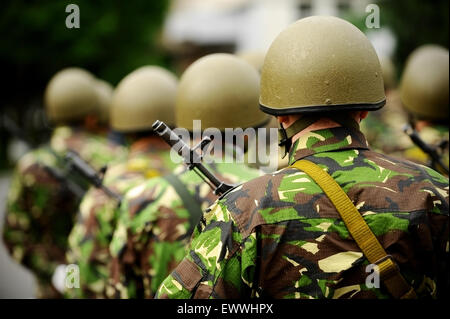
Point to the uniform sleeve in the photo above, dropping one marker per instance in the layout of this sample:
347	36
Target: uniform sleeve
149	239
89	243
219	264
133	235
32	234
121	282
17	221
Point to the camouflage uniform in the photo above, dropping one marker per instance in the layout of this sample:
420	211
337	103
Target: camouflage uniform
41	209
432	135
279	236
383	128
424	93
91	235
384	132
155	226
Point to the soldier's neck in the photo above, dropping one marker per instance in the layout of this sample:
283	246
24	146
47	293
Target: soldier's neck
321	124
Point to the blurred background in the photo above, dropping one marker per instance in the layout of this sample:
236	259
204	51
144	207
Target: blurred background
116	37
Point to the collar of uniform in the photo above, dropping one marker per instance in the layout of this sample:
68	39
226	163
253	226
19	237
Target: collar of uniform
326	140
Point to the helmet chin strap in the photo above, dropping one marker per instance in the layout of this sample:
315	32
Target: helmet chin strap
285	134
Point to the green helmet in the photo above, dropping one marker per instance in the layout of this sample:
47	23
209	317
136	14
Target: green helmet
70	96
142	97
222	91
254	58
104	92
388	70
424	84
321	64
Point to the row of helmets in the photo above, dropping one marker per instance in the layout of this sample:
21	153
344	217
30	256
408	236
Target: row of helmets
318	64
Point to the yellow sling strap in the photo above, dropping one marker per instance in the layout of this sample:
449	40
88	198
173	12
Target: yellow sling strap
360	231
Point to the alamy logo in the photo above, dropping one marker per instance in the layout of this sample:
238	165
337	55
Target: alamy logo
73	19
373	19
373	279
260	144
66	277
72	279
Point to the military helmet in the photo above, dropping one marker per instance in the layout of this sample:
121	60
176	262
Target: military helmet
104	92
388	70
254	58
425	81
70	95
321	64
222	91
142	97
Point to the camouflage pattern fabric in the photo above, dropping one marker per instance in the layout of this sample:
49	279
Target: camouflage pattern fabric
433	135
279	236
40	207
384	132
155	226
89	240
383	128
96	149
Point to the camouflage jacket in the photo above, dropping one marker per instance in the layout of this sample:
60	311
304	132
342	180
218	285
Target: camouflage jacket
384	132
433	136
383	128
279	236
90	237
41	206
155	226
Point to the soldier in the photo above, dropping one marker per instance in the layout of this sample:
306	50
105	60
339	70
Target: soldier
301	233
158	216
43	199
254	58
424	94
142	97
383	128
105	93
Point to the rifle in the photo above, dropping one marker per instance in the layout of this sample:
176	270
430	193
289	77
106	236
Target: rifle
191	158
76	174
427	149
76	163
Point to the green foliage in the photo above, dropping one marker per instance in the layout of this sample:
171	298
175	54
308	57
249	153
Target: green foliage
414	23
114	37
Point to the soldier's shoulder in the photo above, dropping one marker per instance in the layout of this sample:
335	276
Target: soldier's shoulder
37	157
237	172
418	173
267	199
140	196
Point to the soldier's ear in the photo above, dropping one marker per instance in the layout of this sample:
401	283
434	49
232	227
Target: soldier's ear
364	114
359	115
283	119
288	120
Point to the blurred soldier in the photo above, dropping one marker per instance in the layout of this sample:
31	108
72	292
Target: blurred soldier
142	97
424	94
301	233
254	58
105	93
158	217
44	196
383	128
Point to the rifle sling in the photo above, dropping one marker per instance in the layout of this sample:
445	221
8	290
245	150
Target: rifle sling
360	231
192	206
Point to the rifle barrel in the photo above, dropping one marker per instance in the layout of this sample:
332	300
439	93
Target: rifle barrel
191	158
